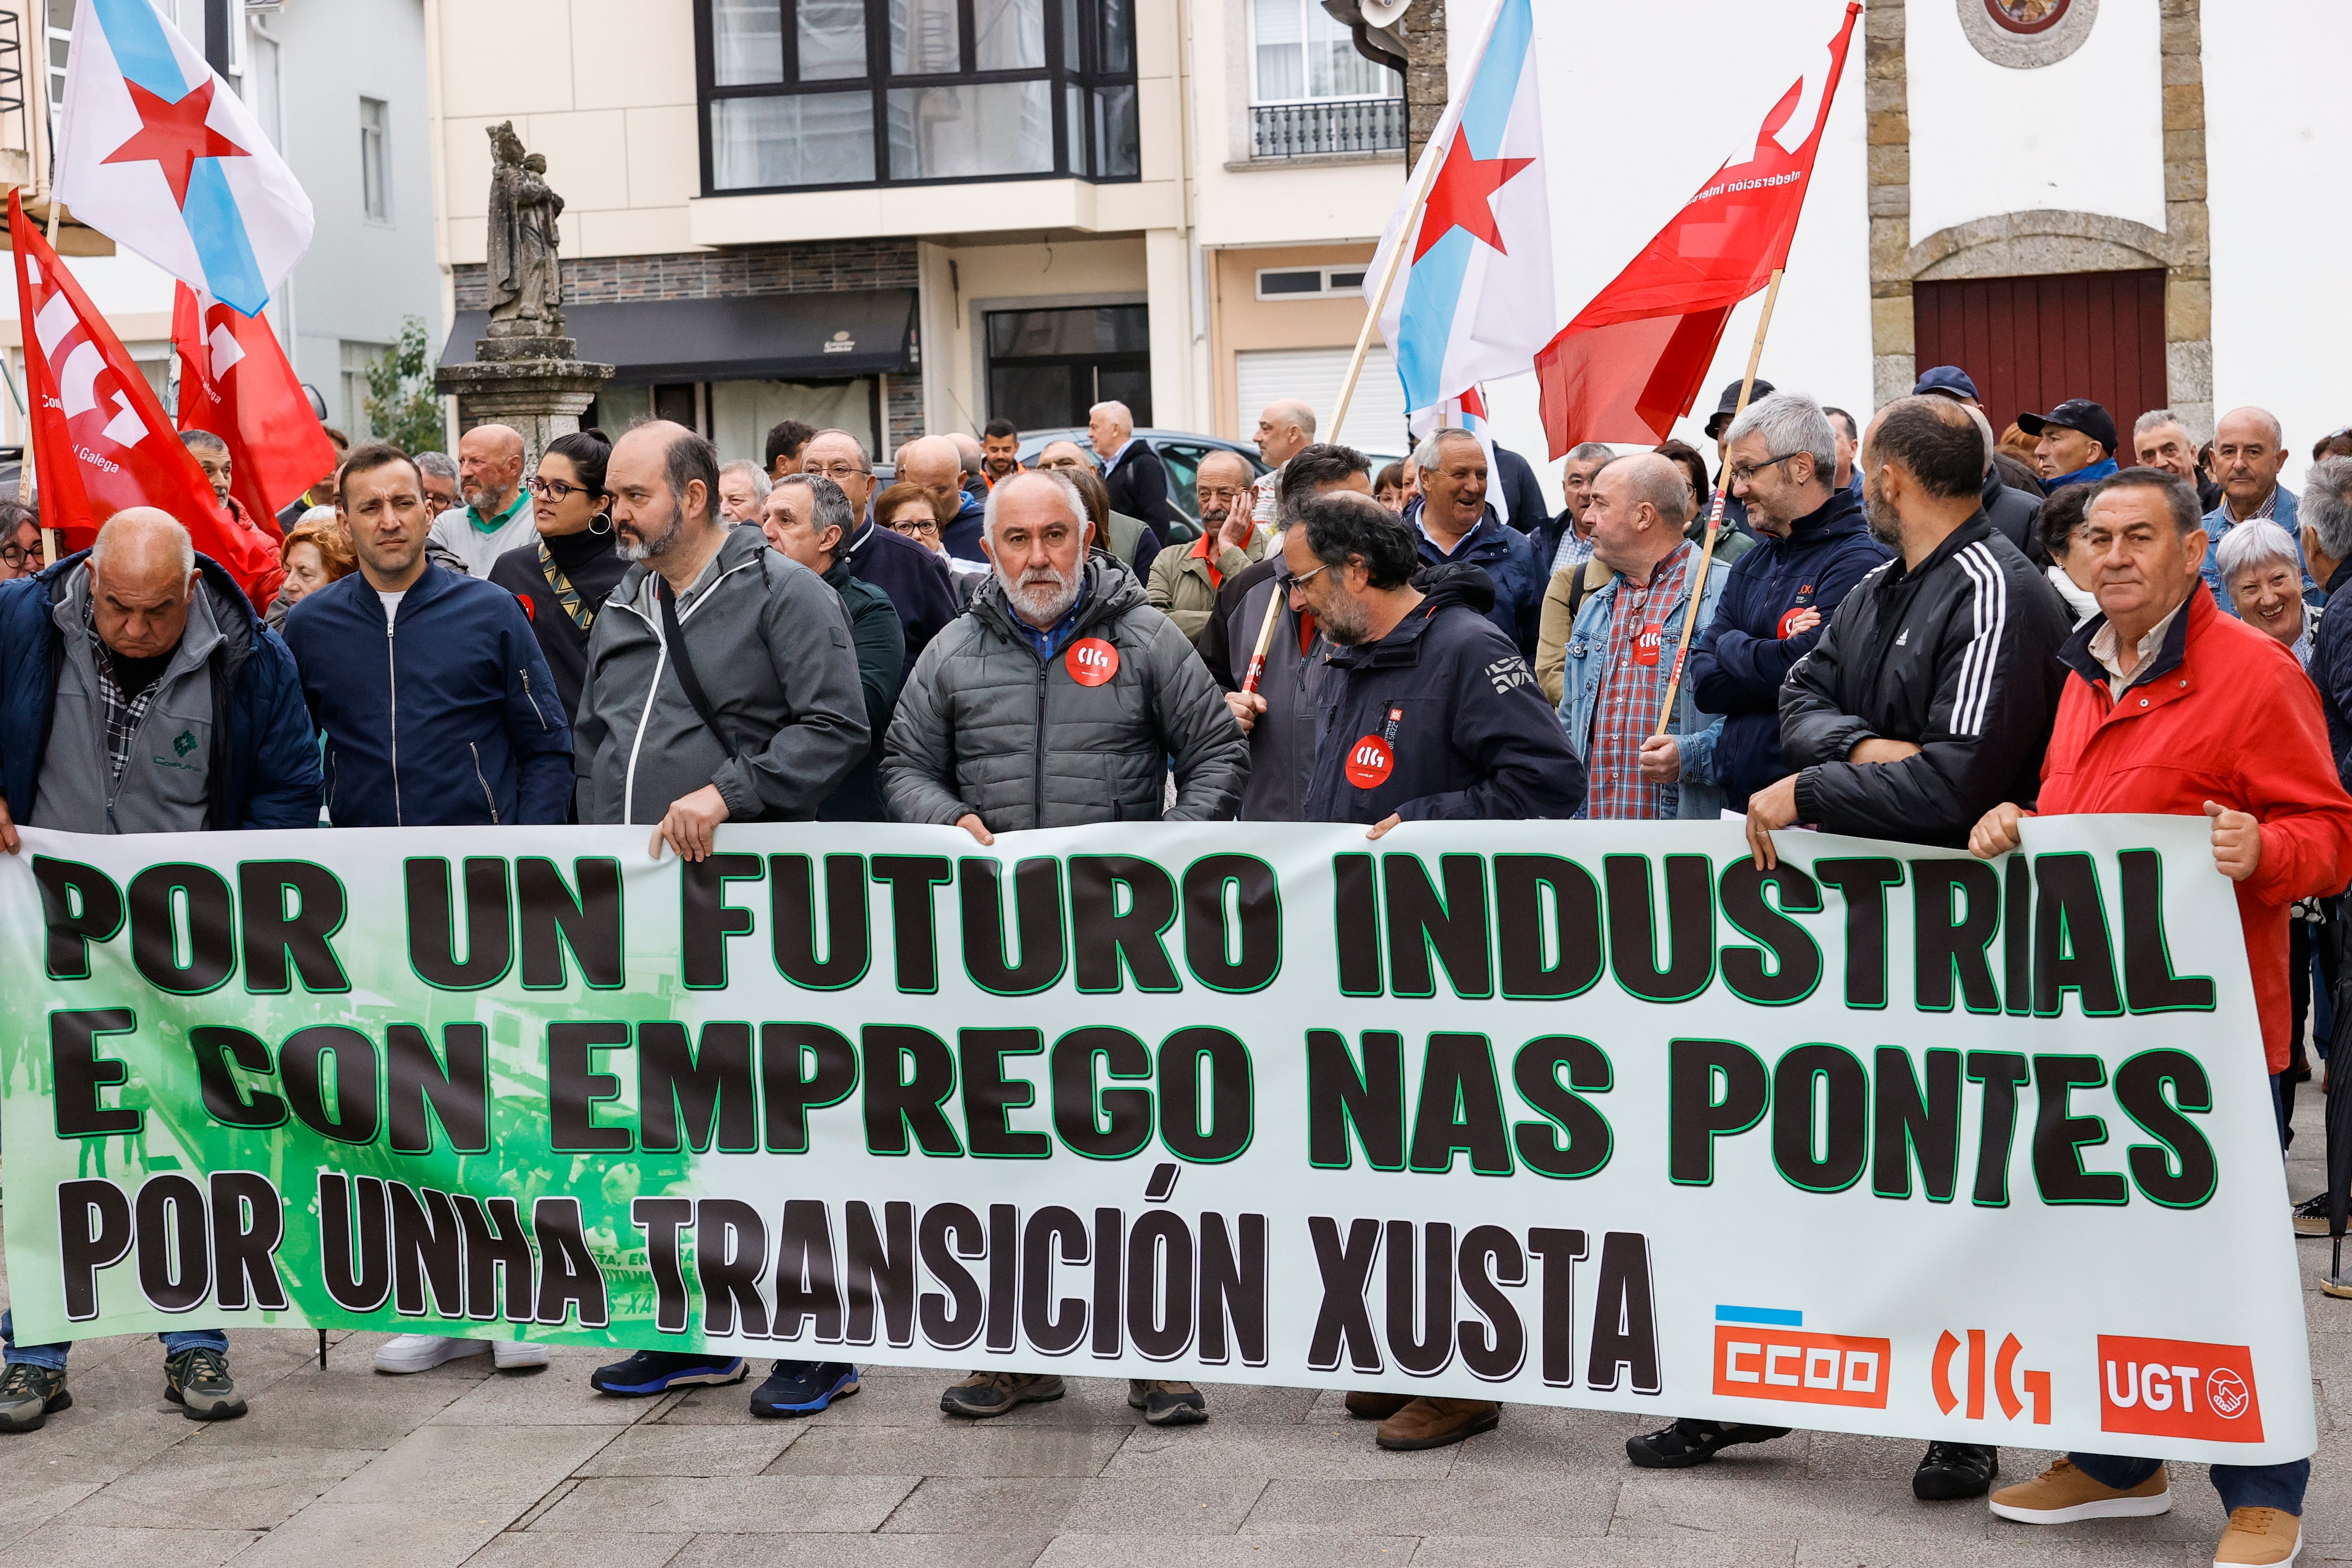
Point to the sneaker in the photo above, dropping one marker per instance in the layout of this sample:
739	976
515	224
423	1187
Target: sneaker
404	1354
197	1381
1167	1404
29	1394
1433	1423
517	1355
2338	1285
658	1371
1686	1443
986	1394
1367	1406
1954	1470
802	1387
2063	1494
2269	1536
2311	1215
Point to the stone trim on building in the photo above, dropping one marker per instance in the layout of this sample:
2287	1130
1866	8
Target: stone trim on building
2006	46
816	266
2027	243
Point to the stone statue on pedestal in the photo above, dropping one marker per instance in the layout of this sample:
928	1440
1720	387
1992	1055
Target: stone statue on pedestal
526	278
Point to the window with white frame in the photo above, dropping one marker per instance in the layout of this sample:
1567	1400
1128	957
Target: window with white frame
375	160
1301	54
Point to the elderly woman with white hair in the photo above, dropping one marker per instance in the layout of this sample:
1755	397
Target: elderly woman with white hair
2263	571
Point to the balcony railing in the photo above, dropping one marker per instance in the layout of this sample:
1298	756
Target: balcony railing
1342	125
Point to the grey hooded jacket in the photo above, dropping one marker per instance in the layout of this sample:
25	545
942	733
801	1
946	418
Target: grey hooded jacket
986	728
772	648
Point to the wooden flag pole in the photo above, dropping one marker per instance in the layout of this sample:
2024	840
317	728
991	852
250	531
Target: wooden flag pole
1265	636
1714	511
1380	303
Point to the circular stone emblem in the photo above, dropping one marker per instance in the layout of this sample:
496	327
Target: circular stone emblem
2025	34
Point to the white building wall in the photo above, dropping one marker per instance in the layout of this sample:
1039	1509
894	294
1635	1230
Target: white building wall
2082	134
360	279
2277	141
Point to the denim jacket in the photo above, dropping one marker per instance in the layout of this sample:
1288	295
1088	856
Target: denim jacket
1699	794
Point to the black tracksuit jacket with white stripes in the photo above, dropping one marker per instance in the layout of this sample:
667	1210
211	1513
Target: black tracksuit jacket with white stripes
1959	656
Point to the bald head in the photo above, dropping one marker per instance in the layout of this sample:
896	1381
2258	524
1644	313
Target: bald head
1639	506
664	480
931	461
490	467
1286	426
143	574
1064	455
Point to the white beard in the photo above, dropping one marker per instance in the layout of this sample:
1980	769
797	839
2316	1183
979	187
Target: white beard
1035	601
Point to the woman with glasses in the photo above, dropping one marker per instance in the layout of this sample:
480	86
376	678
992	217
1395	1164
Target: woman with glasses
20	541
564	576
922	513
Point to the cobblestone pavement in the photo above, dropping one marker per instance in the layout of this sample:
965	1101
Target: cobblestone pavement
532	1470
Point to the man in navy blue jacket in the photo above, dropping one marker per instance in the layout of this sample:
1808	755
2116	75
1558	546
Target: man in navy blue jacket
437	705
1456	526
1815	547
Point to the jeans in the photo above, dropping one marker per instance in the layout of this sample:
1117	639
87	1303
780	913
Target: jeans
54	1356
2241	1485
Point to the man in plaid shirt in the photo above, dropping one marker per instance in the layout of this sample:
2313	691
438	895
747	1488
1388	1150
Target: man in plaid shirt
1622	652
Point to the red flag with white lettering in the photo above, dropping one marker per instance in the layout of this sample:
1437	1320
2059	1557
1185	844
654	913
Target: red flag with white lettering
1632	362
235	381
100	440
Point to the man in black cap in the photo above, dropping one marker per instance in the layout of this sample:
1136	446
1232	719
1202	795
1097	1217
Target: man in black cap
2012	510
2077	443
1734	510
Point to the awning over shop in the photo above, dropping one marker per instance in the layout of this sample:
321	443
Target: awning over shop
781	337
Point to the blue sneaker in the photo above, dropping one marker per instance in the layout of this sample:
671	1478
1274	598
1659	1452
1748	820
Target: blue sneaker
803	1387
658	1371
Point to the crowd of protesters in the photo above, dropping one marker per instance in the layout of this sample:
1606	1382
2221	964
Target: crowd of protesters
1910	629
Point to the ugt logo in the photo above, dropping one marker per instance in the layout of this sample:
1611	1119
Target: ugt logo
2013	1391
2178	1388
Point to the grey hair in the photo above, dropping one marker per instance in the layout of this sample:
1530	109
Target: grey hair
1790	421
1661	481
2153	420
1296	411
1055	476
758	479
2258	543
440	465
1116	409
191	439
2326	508
865	463
1427	455
828	507
1587	451
186	546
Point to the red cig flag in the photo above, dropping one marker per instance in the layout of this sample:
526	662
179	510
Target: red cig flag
100	440
235	381
1632	361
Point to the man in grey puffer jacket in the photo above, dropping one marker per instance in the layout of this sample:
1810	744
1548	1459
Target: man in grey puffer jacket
1056	698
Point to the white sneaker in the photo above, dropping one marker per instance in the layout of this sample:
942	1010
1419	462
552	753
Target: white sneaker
405	1354
514	1355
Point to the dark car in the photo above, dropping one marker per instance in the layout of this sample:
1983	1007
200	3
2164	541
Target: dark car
1180	450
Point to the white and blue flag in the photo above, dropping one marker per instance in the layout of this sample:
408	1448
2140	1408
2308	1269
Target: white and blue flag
1475	300
159	154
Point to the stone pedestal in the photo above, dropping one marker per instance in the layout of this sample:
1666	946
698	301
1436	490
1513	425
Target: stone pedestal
538	385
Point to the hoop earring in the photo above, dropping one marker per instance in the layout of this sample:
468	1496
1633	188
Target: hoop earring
603	517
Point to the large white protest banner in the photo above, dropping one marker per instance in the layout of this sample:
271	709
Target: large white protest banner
1889	1140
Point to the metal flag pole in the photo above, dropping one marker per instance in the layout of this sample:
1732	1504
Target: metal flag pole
1714	511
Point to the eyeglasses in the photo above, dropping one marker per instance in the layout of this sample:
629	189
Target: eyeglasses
15	555
555	490
1743	472
835	471
1292	585
913	527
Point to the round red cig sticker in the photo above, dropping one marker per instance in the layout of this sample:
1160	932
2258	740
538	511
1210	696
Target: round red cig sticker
1369	762
1091	661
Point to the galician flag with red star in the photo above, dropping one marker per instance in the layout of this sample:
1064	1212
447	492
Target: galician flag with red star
1474	302
162	156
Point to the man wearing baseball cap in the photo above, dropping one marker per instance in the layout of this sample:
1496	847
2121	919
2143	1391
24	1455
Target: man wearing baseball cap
2077	443
2011	510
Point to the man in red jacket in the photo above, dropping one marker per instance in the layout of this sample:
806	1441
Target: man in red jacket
2174	708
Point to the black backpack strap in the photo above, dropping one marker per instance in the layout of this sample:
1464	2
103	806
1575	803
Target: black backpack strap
675	640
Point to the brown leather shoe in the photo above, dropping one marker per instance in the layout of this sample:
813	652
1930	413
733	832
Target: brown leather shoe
1366	1407
1431	1423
